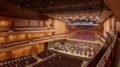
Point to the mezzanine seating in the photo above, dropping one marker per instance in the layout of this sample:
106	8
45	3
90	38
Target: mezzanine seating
84	36
29	28
18	62
45	54
40	38
59	61
6	45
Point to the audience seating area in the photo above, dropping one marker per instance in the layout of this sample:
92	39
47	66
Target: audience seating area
81	49
19	62
84	36
59	61
29	28
45	54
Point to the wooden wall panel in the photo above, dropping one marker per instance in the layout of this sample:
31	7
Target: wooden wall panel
36	35
4	23
49	23
34	23
17	53
3	56
118	26
107	25
21	37
37	49
60	27
41	23
21	52
40	47
11	38
2	40
20	22
26	51
113	23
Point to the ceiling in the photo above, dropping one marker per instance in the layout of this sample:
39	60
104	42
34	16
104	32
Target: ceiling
50	6
39	8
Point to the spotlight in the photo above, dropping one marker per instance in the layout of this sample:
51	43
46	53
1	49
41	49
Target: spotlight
97	17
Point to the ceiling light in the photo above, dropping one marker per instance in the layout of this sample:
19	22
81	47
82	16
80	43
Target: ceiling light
59	18
77	17
73	18
97	17
27	5
84	17
81	18
70	17
91	17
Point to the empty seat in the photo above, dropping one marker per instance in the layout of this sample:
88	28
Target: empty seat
59	61
45	54
18	62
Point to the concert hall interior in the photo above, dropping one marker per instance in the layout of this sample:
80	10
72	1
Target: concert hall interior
59	33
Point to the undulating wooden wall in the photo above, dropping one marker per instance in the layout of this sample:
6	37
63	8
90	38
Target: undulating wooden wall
107	25
118	26
110	25
58	25
6	22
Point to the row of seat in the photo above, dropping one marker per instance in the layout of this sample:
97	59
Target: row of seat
59	61
45	54
19	62
84	36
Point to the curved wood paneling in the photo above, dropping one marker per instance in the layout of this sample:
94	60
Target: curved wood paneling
114	5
